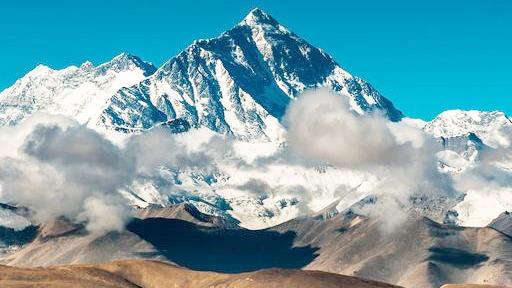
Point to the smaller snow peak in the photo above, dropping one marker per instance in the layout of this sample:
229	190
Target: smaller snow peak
40	70
87	66
41	67
471	116
124	57
258	17
475	115
493	128
125	61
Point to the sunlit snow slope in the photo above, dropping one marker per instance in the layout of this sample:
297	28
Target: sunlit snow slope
78	92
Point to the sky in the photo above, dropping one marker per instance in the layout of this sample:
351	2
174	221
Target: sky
425	56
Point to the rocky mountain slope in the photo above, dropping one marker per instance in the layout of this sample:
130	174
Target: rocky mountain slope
419	253
503	223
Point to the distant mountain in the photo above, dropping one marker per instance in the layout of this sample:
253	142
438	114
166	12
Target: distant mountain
493	128
78	92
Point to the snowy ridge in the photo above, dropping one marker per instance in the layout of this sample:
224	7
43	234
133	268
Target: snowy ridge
464	135
78	92
239	83
493	128
258	198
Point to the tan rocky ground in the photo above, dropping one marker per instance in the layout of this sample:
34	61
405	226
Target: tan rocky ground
420	253
471	286
153	274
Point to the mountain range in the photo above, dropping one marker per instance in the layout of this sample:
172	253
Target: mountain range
239	85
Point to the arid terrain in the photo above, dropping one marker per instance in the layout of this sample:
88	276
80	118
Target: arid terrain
153	274
419	254
470	286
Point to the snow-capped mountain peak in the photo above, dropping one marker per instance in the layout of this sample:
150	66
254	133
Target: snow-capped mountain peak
39	70
125	61
258	17
493	128
87	66
79	92
239	83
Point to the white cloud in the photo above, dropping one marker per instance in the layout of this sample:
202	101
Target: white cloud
321	126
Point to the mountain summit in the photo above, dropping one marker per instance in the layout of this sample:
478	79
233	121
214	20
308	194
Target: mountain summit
78	92
239	83
494	128
258	17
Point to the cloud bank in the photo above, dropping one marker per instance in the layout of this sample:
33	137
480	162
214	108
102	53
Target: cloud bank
57	167
321	125
66	170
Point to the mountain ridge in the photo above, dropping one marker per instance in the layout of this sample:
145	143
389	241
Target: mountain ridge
492	127
74	91
239	83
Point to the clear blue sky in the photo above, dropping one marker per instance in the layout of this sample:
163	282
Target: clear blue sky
426	56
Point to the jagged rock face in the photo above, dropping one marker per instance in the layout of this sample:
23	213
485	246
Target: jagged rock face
239	83
78	92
